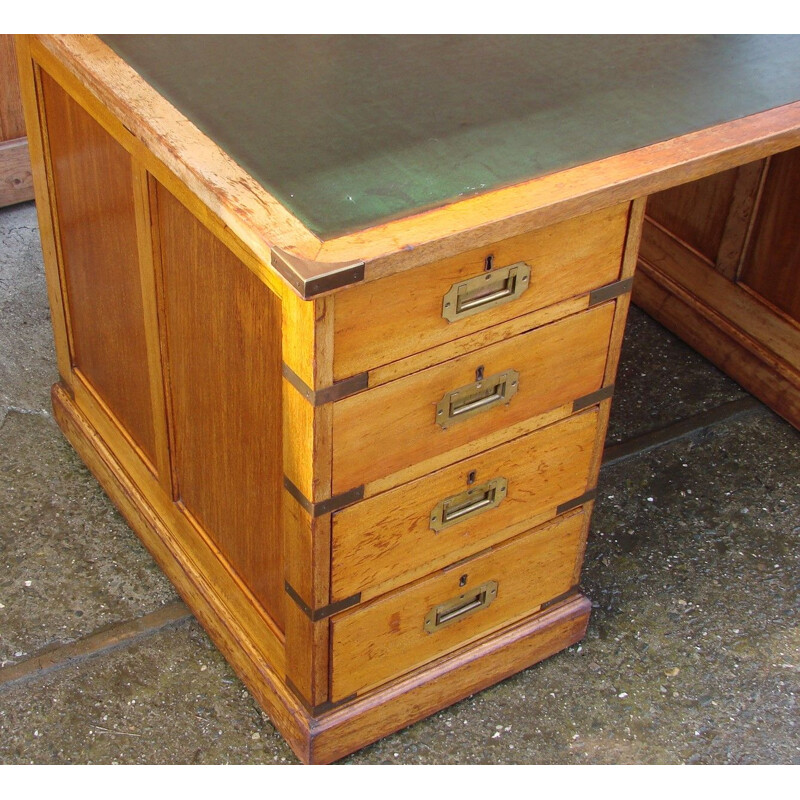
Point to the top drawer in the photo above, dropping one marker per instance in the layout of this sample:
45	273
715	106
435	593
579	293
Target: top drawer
379	322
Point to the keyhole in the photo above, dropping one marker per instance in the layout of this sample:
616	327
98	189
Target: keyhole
488	264
479	374
462	581
471	475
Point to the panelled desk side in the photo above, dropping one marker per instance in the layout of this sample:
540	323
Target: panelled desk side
215	378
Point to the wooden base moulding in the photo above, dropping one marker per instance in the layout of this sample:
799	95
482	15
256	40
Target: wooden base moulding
334	733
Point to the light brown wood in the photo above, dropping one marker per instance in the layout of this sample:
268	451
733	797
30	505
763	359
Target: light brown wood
478	221
385	638
208	173
94	194
449	679
252	252
387	541
45	207
12	120
752	365
384	430
16	178
677	210
220	601
476	341
306	346
386	320
236	485
759	326
226	446
257	220
307	543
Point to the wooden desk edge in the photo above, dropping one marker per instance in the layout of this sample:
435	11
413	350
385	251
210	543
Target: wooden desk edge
313	267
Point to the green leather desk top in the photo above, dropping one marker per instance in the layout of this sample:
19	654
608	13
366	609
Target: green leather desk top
348	132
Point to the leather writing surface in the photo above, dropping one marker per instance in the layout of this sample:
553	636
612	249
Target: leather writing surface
350	131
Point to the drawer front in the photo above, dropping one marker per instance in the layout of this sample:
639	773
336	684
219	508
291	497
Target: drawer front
394	317
388	428
398	632
406	533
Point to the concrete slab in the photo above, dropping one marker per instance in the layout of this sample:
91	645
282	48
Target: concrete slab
27	358
69	563
171	699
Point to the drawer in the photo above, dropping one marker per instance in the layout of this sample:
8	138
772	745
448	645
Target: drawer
391	427
395	633
389	319
403	534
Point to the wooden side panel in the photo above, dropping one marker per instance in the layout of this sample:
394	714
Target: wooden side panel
772	263
696	212
384	430
94	192
223	351
387	637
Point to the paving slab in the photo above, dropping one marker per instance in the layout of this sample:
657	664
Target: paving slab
69	563
27	357
171	699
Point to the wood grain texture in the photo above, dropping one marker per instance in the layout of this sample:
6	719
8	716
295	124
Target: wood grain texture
16	177
94	193
696	212
449	679
222	187
255	254
386	320
738	227
386	541
771	266
422	238
386	429
223	357
476	222
222	604
385	638
12	120
739	309
743	358
30	82
307	548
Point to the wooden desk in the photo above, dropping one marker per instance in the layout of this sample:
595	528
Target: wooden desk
16	183
337	323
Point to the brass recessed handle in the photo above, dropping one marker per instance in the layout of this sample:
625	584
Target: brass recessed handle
460	607
468	504
467	401
485	291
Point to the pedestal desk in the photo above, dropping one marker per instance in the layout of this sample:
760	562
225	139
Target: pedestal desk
337	322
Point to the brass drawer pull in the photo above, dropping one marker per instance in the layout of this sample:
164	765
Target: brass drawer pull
461	606
485	291
469	504
466	401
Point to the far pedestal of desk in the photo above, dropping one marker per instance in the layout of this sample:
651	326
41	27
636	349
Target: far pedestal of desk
719	265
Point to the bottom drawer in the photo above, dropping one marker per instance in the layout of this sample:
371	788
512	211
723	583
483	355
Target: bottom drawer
403	630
